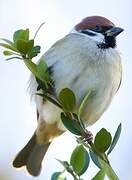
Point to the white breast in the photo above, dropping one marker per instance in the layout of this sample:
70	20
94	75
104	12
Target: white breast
78	64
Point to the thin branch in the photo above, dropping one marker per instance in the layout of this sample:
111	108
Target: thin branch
52	100
38	30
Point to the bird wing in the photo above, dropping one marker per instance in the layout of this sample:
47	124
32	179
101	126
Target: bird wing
72	63
73	44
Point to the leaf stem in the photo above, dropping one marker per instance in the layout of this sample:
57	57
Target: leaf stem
75	176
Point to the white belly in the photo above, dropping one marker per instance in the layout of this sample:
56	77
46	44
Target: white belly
80	72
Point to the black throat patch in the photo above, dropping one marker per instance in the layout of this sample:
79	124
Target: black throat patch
110	42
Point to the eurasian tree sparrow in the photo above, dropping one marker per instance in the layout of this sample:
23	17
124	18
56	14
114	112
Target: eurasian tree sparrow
84	59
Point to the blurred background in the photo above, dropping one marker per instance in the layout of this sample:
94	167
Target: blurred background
17	113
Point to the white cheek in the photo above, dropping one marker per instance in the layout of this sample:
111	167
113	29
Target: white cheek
97	38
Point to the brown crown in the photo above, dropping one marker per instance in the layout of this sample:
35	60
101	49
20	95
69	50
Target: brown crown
92	21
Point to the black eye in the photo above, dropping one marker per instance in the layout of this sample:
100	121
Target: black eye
87	32
101	29
98	29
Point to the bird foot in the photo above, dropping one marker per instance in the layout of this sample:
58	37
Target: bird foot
88	137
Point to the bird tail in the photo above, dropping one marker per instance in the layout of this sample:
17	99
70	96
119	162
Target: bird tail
31	156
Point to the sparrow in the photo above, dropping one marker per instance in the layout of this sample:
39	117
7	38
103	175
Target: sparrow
85	59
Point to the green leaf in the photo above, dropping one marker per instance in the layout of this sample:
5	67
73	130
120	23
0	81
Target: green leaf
58	176
94	158
84	102
79	120
100	175
42	70
8	53
14	57
71	125
21	35
7	41
31	66
102	140
80	160
115	139
7	46
108	170
34	52
24	46
67	99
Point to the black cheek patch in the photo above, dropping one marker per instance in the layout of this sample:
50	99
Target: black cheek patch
88	33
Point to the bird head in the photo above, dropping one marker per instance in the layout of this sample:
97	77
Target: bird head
99	29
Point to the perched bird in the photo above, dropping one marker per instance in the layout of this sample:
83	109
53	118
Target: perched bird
84	59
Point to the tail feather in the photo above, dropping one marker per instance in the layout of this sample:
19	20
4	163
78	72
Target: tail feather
23	155
35	159
31	156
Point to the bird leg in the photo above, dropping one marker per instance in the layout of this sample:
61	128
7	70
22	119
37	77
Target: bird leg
88	137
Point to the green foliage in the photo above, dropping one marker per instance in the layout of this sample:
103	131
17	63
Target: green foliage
102	140
58	176
115	139
71	124
22	45
108	170
84	102
67	99
7	46
100	175
20	35
42	72
23	48
80	160
80	157
34	52
7	41
31	66
7	53
94	158
64	163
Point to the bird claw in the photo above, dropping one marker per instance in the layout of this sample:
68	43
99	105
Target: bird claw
88	137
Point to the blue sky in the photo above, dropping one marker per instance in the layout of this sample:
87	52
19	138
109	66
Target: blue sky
18	118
